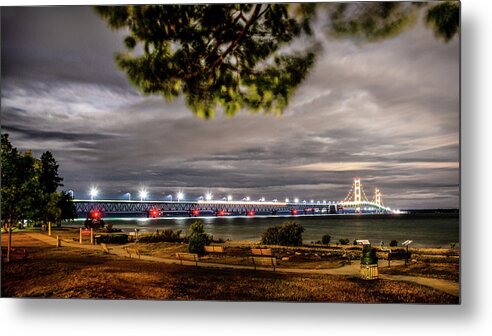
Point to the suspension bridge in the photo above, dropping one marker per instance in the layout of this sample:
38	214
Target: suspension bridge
356	202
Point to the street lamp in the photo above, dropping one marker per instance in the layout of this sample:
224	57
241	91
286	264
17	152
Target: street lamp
229	198
208	196
296	200
286	200
129	196
143	194
71	193
93	193
180	196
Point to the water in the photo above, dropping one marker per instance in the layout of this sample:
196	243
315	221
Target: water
424	230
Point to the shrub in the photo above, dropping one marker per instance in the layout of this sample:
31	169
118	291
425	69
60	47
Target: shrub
354	242
287	234
344	241
167	235
394	243
326	239
113	239
197	238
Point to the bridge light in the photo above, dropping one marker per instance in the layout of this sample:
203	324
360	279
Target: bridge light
208	196
196	212
251	213
229	198
324	201
293	212
247	198
93	193
143	194
286	200
296	200
312	201
262	199
95	214
180	196
154	213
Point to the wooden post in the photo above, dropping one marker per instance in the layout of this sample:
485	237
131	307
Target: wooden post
58	241
80	236
9	244
92	236
49	229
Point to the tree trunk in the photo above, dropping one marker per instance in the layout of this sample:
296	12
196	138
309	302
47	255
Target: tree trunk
9	244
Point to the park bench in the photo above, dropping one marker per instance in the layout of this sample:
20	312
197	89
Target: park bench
131	251
398	256
215	249
264	261
187	256
261	252
105	248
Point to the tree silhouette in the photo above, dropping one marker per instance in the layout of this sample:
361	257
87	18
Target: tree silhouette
252	56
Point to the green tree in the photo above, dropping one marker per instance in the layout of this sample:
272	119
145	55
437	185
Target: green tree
49	179
197	238
20	185
287	234
228	55
66	206
29	189
251	56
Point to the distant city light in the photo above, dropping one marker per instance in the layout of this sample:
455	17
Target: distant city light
312	201
286	200
208	196
143	194
180	196
296	200
229	198
93	193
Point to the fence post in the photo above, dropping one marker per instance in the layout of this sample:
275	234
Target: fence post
58	241
80	236
92	236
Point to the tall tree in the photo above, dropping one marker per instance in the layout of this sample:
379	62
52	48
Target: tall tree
251	56
49	179
20	186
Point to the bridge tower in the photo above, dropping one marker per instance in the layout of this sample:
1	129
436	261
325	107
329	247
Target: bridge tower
357	194
377	196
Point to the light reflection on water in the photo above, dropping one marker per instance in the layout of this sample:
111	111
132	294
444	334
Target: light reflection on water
429	231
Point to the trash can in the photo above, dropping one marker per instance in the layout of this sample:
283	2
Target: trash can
369	264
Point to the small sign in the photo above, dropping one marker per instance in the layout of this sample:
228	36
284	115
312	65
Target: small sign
407	242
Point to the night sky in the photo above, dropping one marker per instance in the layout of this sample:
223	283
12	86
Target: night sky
386	112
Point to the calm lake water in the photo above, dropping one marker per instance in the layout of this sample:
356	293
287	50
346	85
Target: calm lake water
424	230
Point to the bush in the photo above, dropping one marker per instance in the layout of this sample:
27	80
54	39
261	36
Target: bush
326	239
197	238
113	239
344	241
167	235
394	243
287	234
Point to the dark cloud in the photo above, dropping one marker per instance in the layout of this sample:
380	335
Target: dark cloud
387	112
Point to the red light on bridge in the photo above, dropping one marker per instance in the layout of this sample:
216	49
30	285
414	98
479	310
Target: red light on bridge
221	213
293	212
95	214
196	213
154	213
251	213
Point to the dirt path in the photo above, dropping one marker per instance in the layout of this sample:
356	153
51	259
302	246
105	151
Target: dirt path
446	286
